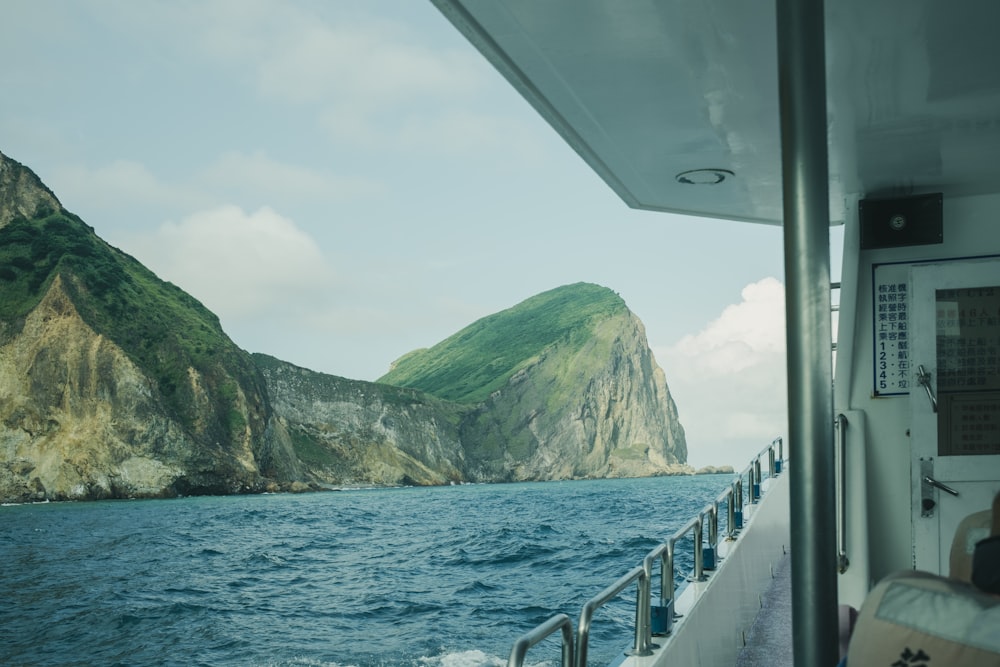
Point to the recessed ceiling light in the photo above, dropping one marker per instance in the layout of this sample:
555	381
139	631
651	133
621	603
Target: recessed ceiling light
703	176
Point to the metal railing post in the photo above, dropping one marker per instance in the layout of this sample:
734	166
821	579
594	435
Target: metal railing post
595	603
709	552
738	511
731	515
665	553
529	639
667	584
643	613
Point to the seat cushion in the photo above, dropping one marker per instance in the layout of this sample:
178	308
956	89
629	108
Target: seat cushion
915	619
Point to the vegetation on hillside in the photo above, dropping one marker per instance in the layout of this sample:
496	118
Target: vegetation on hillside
161	327
478	360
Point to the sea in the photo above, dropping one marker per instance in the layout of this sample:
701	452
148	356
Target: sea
445	576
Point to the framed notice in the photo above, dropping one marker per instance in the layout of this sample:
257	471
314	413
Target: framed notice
890	317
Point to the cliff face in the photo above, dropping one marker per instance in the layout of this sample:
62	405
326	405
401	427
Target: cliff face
112	382
115	384
80	420
600	410
560	386
22	193
352	432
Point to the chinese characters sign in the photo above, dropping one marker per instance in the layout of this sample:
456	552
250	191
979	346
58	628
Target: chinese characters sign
891	305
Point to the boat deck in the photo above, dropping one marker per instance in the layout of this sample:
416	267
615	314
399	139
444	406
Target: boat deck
769	640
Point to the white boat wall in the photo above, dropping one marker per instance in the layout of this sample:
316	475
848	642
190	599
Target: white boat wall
879	115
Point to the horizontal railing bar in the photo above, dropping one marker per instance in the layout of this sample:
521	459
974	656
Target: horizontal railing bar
695	520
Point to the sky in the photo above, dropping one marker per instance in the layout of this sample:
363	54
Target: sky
344	181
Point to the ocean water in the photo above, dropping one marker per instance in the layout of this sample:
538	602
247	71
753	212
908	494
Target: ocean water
423	577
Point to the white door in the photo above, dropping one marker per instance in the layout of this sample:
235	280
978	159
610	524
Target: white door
954	334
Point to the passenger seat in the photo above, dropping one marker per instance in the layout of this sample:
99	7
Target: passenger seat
916	619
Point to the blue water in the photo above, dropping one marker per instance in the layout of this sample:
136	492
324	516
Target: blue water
425	577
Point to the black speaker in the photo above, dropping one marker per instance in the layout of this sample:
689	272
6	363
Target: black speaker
891	223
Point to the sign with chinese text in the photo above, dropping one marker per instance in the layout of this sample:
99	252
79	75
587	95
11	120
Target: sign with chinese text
891	309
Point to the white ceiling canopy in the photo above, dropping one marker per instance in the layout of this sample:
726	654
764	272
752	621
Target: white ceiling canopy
674	103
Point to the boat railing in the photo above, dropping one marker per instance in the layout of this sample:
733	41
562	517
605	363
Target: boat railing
527	640
642	644
662	616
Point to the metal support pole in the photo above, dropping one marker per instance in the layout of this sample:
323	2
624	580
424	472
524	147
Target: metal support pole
802	103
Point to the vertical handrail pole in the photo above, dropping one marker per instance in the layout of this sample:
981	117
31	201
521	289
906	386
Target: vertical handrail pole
712	512
699	563
643	610
667	583
738	510
842	561
805	194
727	496
758	479
710	556
713	526
731	514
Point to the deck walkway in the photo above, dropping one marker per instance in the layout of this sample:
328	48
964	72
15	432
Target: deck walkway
769	642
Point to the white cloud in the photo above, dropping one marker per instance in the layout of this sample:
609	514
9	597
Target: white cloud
329	53
122	185
729	379
363	79
371	64
239	264
259	173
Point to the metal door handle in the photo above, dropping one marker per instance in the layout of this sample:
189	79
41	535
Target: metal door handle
944	487
924	380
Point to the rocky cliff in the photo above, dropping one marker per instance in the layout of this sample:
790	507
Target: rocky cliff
349	432
573	391
81	420
115	384
620	421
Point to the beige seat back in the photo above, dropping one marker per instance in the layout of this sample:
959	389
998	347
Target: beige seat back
914	619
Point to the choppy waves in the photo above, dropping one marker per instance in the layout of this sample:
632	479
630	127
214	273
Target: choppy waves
422	577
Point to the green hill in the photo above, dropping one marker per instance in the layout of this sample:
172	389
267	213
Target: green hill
468	366
116	384
162	328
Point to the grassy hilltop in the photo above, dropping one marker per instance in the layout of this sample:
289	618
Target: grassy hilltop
478	360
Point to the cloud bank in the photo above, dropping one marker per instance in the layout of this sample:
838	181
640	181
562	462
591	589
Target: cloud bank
239	264
729	379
